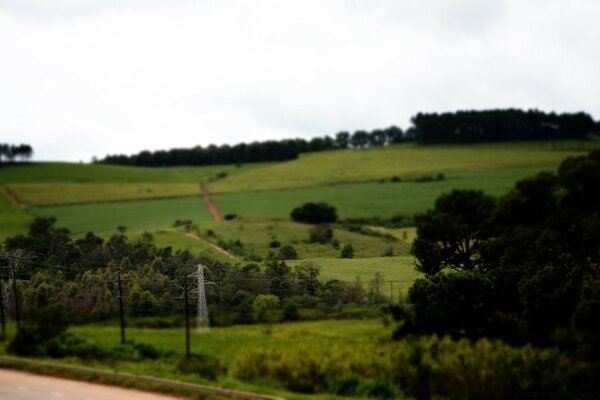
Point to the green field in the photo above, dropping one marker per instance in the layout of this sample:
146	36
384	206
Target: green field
13	220
405	161
100	173
137	216
370	199
399	271
51	194
256	236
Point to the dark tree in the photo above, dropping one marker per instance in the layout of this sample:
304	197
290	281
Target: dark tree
449	235
314	213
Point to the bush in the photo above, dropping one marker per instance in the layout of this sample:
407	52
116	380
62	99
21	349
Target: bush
27	342
275	244
288	252
229	217
71	345
290	312
346	385
133	351
347	251
314	213
320	234
424	367
201	364
389	252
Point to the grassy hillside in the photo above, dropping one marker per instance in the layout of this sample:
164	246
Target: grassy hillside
256	236
100	173
51	194
398	271
137	216
13	220
370	199
405	161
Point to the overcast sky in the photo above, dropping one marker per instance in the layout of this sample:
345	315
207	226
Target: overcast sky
80	78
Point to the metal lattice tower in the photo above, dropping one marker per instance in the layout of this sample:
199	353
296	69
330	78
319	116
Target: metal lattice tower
203	322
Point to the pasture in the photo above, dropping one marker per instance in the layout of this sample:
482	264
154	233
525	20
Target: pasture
138	216
13	220
400	271
52	194
370	199
407	161
57	172
256	236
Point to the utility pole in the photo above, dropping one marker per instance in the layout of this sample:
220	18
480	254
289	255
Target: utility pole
121	311
2	310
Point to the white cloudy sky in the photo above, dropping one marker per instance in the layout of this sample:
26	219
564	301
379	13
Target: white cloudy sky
89	77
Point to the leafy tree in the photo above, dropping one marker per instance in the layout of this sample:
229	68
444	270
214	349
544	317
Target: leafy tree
265	308
307	276
320	234
314	213
347	251
288	252
449	236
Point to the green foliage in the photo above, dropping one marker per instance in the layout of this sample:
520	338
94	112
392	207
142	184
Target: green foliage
423	367
265	307
320	234
288	252
347	251
449	235
314	213
201	364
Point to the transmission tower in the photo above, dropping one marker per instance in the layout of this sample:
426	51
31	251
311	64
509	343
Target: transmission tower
203	321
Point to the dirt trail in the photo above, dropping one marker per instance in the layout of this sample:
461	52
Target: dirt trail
212	208
13	197
212	246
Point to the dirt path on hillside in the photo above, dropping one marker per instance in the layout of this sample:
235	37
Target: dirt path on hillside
212	208
212	246
13	197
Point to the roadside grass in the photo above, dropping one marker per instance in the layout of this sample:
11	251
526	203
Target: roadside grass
257	235
61	172
137	216
51	194
405	161
13	220
370	199
398	271
225	344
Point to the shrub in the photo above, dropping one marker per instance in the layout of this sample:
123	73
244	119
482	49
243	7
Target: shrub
290	312
347	251
314	213
380	388
229	217
201	364
335	243
320	234
70	345
345	385
288	252
27	342
389	252
133	351
274	244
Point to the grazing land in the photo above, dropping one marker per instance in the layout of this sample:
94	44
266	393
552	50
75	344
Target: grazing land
398	270
257	235
406	161
371	199
13	219
137	216
52	194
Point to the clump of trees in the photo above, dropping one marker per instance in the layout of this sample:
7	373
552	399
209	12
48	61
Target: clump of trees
11	153
500	125
314	213
524	269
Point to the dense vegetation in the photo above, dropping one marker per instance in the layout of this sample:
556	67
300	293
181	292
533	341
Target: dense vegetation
456	127
501	125
11	152
524	270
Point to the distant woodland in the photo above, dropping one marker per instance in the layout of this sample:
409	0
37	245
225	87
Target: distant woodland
11	153
426	129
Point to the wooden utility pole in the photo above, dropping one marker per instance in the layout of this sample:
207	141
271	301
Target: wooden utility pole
2	310
121	311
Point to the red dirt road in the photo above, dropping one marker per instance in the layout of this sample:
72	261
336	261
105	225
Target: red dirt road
16	385
212	208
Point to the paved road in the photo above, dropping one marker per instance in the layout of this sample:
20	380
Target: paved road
24	386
